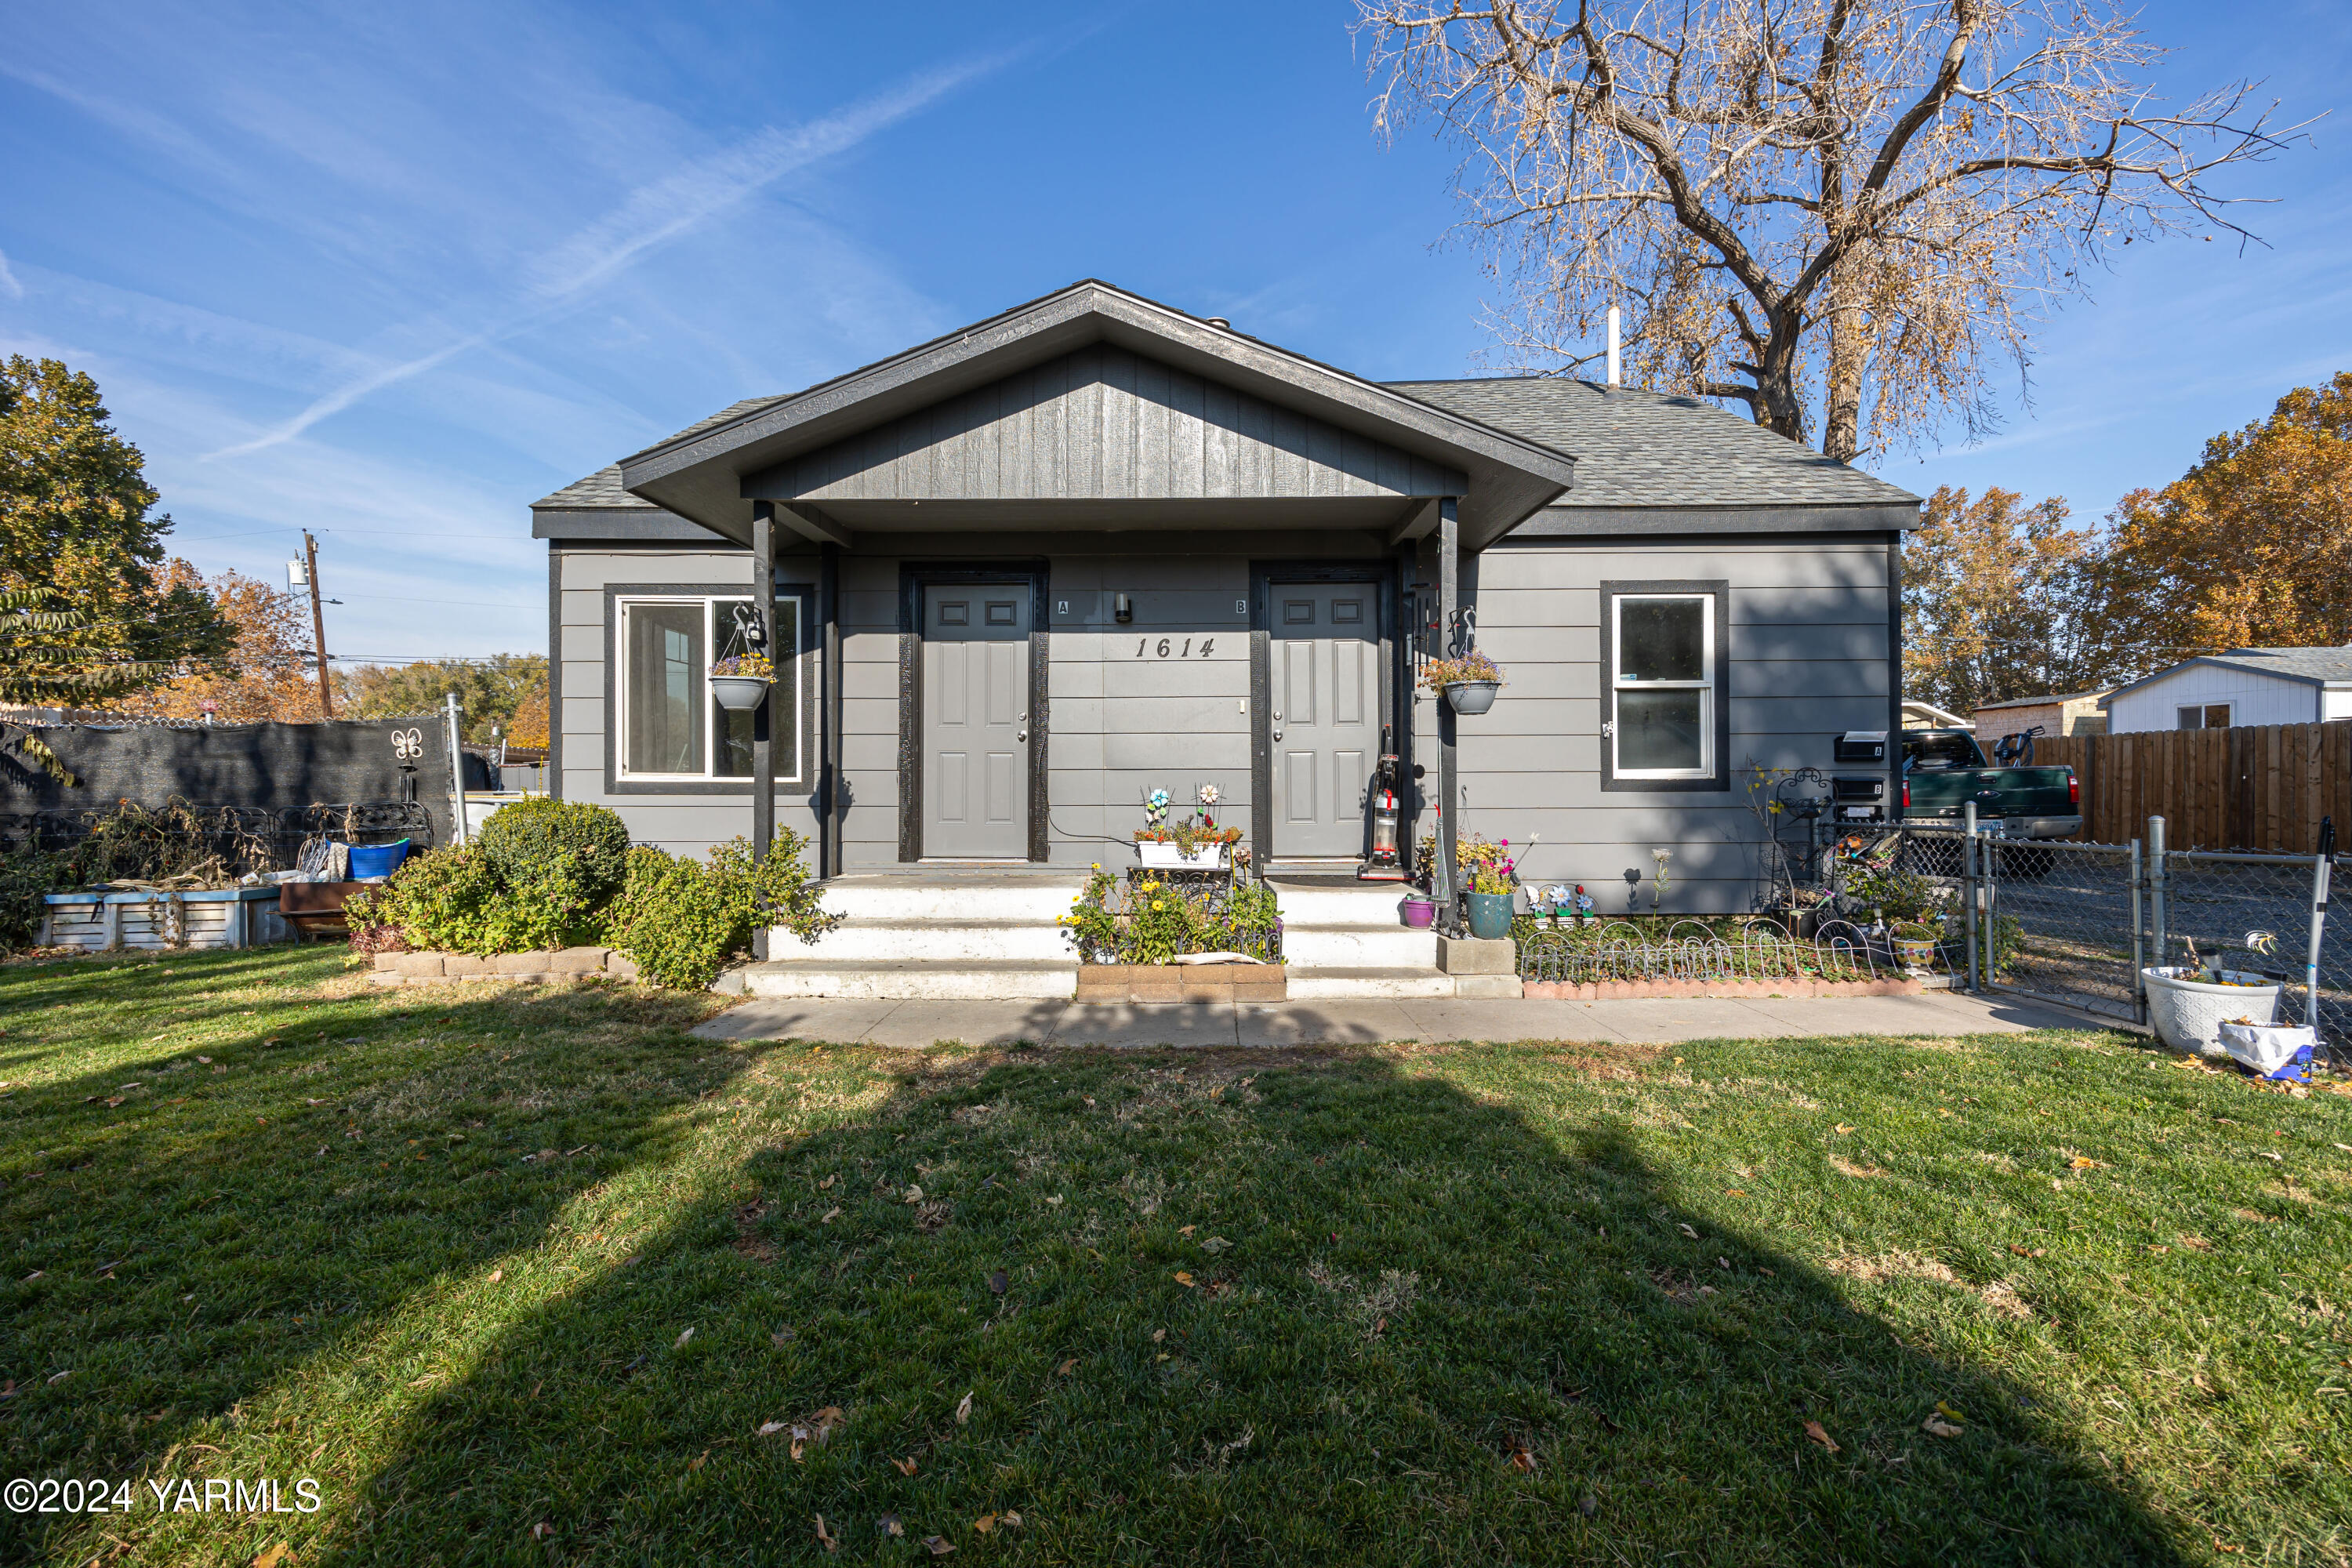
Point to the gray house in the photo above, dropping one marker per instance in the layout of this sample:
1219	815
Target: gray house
1029	571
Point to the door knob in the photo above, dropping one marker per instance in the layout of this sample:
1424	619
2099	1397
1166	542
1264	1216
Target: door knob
1022	732
1277	723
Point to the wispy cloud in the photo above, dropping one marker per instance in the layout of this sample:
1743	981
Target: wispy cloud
653	215
8	284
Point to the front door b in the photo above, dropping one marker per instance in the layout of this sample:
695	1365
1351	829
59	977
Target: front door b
1324	727
976	722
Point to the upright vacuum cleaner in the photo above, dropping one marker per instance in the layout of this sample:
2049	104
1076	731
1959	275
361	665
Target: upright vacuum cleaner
1383	864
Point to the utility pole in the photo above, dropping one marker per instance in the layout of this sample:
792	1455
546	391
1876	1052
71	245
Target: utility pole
317	622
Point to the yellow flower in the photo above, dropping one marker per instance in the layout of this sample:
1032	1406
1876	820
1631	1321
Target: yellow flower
1158	903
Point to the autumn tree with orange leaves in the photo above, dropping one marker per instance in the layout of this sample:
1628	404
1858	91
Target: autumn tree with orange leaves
2252	548
268	674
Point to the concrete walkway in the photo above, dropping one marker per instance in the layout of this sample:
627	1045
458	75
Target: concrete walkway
915	1025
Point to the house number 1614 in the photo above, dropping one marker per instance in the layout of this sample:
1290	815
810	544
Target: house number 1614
1166	647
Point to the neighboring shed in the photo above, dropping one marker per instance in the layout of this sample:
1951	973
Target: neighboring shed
1920	715
2068	713
2244	686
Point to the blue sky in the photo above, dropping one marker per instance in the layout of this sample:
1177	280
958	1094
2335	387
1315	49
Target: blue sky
395	273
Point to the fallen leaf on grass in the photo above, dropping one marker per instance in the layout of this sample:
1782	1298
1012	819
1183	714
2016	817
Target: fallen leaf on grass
682	1339
1814	1430
984	1523
1936	1426
542	1530
1010	1520
1844	1127
1158	1335
1186	1229
276	1557
496	1275
828	1181
1687	1230
913	1194
1216	1245
781	1337
2023	1251
1067	1367
1733	1193
2195	1243
698	1461
939	1546
1845	1167
1523	1461
770	1428
888	1524
963	1411
830	1215
1948	1412
906	1467
1183	1278
825	1536
2082	1163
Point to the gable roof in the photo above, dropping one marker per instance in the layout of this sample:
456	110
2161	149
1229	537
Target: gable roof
2329	669
1636	448
1667	461
710	473
2044	700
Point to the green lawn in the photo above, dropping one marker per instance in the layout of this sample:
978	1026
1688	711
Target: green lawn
441	1252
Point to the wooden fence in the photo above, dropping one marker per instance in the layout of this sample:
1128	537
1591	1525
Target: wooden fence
2260	787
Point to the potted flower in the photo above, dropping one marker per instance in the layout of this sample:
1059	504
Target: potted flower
1196	844
740	679
1492	883
1469	680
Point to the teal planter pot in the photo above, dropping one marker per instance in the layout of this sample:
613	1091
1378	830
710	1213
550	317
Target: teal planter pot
1490	916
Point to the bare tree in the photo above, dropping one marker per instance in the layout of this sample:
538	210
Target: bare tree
1858	207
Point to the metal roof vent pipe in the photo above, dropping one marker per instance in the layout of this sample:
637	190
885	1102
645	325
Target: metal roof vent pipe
1218	322
1615	382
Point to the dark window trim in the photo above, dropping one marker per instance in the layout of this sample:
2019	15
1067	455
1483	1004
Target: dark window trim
1720	589
913	577
615	670
555	674
1263	575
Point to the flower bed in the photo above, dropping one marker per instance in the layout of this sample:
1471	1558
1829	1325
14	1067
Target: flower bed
1156	917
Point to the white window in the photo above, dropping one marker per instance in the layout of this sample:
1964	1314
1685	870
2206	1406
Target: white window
671	728
2204	716
1662	675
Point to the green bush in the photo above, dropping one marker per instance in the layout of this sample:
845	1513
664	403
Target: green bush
452	900
566	855
26	877
680	921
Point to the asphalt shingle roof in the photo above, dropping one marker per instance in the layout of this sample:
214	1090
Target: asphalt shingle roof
602	488
2328	666
1632	449
1643	448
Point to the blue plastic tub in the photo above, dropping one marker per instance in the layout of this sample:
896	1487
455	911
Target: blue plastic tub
373	862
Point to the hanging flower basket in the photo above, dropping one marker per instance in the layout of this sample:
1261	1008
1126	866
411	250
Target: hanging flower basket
740	681
1468	680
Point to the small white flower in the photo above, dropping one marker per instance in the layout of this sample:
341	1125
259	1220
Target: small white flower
1209	794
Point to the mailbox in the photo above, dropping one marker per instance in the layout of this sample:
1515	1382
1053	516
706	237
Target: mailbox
1859	747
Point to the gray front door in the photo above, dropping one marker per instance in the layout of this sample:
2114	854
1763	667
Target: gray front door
1325	727
976	722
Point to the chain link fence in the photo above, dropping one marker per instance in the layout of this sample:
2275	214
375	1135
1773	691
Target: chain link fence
2075	924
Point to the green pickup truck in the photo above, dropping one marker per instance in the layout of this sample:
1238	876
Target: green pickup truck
1943	771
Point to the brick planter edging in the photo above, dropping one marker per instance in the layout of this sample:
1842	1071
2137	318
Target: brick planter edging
1632	990
519	968
1182	983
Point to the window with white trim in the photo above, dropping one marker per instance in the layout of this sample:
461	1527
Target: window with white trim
671	727
1662	675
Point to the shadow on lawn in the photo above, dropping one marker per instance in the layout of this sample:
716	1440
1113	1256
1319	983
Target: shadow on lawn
1419	1286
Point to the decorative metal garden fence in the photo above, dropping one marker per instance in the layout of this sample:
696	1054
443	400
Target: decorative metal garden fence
245	839
1756	949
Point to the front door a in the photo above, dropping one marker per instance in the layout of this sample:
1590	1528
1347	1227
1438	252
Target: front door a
1325	724
976	722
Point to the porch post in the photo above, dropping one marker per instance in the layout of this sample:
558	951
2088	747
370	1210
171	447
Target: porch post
1449	598
828	722
763	767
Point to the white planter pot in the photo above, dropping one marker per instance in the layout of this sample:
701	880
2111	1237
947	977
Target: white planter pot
2187	1014
1472	696
2271	1050
738	693
1164	855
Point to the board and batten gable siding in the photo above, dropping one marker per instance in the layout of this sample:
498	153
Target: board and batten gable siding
684	823
1808	633
1105	423
2255	697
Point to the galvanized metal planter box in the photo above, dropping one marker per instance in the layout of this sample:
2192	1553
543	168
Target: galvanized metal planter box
149	921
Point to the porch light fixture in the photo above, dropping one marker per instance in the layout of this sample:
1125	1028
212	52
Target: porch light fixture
1122	608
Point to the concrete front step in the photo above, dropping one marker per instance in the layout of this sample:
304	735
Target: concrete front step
1014	899
1308	985
864	939
905	981
1358	947
1375	905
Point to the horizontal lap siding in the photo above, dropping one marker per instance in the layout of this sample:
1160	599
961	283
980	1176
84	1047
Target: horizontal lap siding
1808	644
